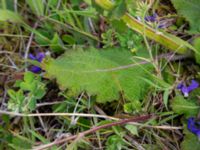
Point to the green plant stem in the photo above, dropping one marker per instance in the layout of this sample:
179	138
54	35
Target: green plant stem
168	40
106	4
152	34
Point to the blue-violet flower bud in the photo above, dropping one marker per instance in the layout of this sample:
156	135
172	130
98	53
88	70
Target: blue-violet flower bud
38	57
193	126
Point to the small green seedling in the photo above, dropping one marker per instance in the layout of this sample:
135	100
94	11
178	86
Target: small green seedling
31	89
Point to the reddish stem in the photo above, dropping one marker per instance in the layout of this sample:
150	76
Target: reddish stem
94	129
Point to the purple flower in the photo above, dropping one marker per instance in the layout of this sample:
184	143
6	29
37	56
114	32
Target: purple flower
152	18
38	57
187	89
193	126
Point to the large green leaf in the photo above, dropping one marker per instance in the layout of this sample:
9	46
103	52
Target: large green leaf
196	44
190	9
108	74
187	107
190	140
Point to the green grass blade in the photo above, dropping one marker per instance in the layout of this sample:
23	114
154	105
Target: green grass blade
37	6
7	15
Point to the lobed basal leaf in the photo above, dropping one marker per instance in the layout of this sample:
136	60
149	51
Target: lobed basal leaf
108	74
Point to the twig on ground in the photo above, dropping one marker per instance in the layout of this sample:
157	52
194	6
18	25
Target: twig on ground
56	114
12	62
99	110
5	52
42	122
49	103
135	143
94	129
87	115
73	118
3	98
29	44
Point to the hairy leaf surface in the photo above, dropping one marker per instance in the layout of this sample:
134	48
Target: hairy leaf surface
108	74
